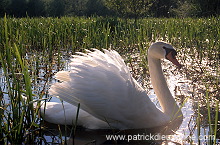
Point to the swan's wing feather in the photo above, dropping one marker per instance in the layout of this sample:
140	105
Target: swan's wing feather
104	87
62	76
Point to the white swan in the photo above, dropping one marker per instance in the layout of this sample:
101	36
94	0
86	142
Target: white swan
109	96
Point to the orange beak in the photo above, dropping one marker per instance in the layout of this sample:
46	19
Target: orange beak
173	59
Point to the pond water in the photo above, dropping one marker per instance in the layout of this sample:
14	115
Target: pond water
185	132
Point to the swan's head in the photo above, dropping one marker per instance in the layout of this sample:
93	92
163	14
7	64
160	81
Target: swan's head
160	50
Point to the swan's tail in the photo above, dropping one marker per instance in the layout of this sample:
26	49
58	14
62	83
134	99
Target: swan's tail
65	113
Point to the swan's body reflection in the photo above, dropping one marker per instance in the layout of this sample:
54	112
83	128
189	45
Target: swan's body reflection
83	136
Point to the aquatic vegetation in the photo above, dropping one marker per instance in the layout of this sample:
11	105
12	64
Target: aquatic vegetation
33	49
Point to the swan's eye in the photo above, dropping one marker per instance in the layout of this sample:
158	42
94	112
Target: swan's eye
168	50
174	53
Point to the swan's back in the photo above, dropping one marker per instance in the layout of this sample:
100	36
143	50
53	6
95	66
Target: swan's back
102	84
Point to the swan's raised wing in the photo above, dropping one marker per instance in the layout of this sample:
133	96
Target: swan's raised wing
104	87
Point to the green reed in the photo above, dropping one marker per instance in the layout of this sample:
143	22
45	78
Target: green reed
30	45
18	116
216	121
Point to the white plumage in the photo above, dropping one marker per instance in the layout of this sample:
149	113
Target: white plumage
109	96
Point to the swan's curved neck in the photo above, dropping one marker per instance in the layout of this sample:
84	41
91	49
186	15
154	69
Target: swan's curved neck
161	89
